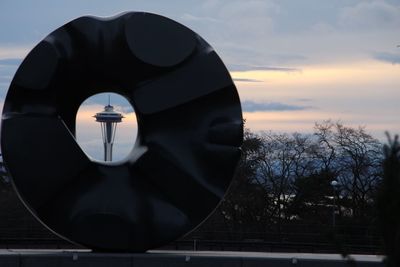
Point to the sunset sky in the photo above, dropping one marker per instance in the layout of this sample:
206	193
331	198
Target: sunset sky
293	62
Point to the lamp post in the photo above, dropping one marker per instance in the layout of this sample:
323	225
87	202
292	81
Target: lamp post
334	185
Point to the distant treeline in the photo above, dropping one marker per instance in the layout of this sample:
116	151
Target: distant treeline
305	177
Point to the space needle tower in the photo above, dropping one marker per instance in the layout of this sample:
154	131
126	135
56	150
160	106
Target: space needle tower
108	120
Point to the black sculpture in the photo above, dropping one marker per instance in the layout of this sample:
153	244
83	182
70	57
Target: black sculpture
189	131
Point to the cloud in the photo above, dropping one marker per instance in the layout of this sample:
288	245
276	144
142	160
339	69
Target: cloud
10	61
8	66
286	57
387	57
4	85
7	70
127	109
98	101
276	33
14	52
192	18
5	79
296	33
242	23
304	99
249	18
251	106
245	67
239	53
367	15
246	80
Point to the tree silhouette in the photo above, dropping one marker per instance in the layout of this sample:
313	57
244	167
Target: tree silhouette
388	201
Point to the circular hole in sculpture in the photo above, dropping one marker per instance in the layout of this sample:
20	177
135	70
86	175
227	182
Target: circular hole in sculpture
106	127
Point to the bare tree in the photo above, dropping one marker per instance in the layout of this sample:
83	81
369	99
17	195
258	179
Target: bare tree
355	158
283	178
283	159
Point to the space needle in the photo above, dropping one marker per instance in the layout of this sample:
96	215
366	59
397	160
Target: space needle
108	120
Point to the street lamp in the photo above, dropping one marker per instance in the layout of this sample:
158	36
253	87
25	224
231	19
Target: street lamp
334	185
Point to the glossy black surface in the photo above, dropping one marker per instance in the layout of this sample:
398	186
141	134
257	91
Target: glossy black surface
189	131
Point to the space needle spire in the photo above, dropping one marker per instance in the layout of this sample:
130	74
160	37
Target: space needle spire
108	120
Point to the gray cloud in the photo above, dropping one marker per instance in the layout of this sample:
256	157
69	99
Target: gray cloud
7	70
125	109
10	61
387	57
373	14
5	79
286	57
190	17
251	106
246	67
3	90
119	102
246	80
277	33
304	99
